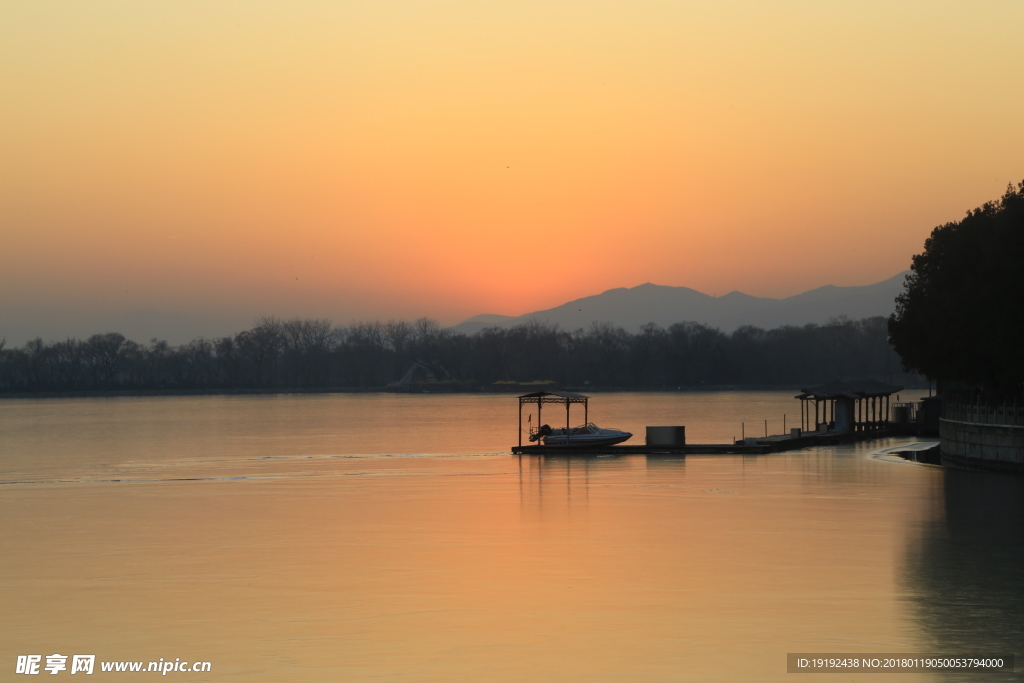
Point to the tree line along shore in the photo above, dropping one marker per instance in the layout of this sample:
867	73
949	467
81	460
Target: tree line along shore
313	354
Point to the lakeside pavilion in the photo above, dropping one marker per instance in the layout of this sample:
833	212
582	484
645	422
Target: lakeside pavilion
846	406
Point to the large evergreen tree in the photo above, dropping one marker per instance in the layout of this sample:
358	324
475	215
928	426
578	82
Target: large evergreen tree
960	318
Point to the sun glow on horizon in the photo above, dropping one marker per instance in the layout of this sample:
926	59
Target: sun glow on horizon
397	159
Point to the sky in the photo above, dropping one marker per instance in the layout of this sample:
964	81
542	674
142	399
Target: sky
178	169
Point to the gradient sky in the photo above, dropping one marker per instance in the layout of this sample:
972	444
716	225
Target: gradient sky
216	161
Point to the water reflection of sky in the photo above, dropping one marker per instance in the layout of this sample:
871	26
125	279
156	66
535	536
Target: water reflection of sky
314	555
964	572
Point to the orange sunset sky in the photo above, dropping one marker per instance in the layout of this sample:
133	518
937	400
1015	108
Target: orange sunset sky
376	159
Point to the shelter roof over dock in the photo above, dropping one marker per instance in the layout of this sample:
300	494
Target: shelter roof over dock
860	388
555	397
565	398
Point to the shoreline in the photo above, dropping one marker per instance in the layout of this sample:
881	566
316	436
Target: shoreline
138	393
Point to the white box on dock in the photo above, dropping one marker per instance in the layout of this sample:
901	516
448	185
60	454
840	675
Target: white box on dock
666	436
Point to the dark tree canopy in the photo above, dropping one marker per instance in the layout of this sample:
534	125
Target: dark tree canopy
306	354
960	318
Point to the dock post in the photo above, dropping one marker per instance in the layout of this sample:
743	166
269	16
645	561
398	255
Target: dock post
520	423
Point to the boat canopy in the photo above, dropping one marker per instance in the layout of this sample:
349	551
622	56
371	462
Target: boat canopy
555	397
565	398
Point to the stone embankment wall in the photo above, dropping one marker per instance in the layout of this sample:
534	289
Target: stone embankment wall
982	437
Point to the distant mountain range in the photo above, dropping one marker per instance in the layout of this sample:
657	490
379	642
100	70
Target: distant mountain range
635	306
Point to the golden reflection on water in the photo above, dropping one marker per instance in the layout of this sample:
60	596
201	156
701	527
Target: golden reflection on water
278	566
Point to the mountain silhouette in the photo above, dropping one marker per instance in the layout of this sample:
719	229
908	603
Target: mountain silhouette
633	307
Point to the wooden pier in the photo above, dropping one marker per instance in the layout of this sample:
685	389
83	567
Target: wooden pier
771	444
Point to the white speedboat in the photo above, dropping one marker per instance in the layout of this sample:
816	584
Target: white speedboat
587	435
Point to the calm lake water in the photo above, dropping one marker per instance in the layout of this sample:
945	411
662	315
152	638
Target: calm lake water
392	537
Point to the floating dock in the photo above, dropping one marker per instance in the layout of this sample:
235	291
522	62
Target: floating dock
850	429
771	444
